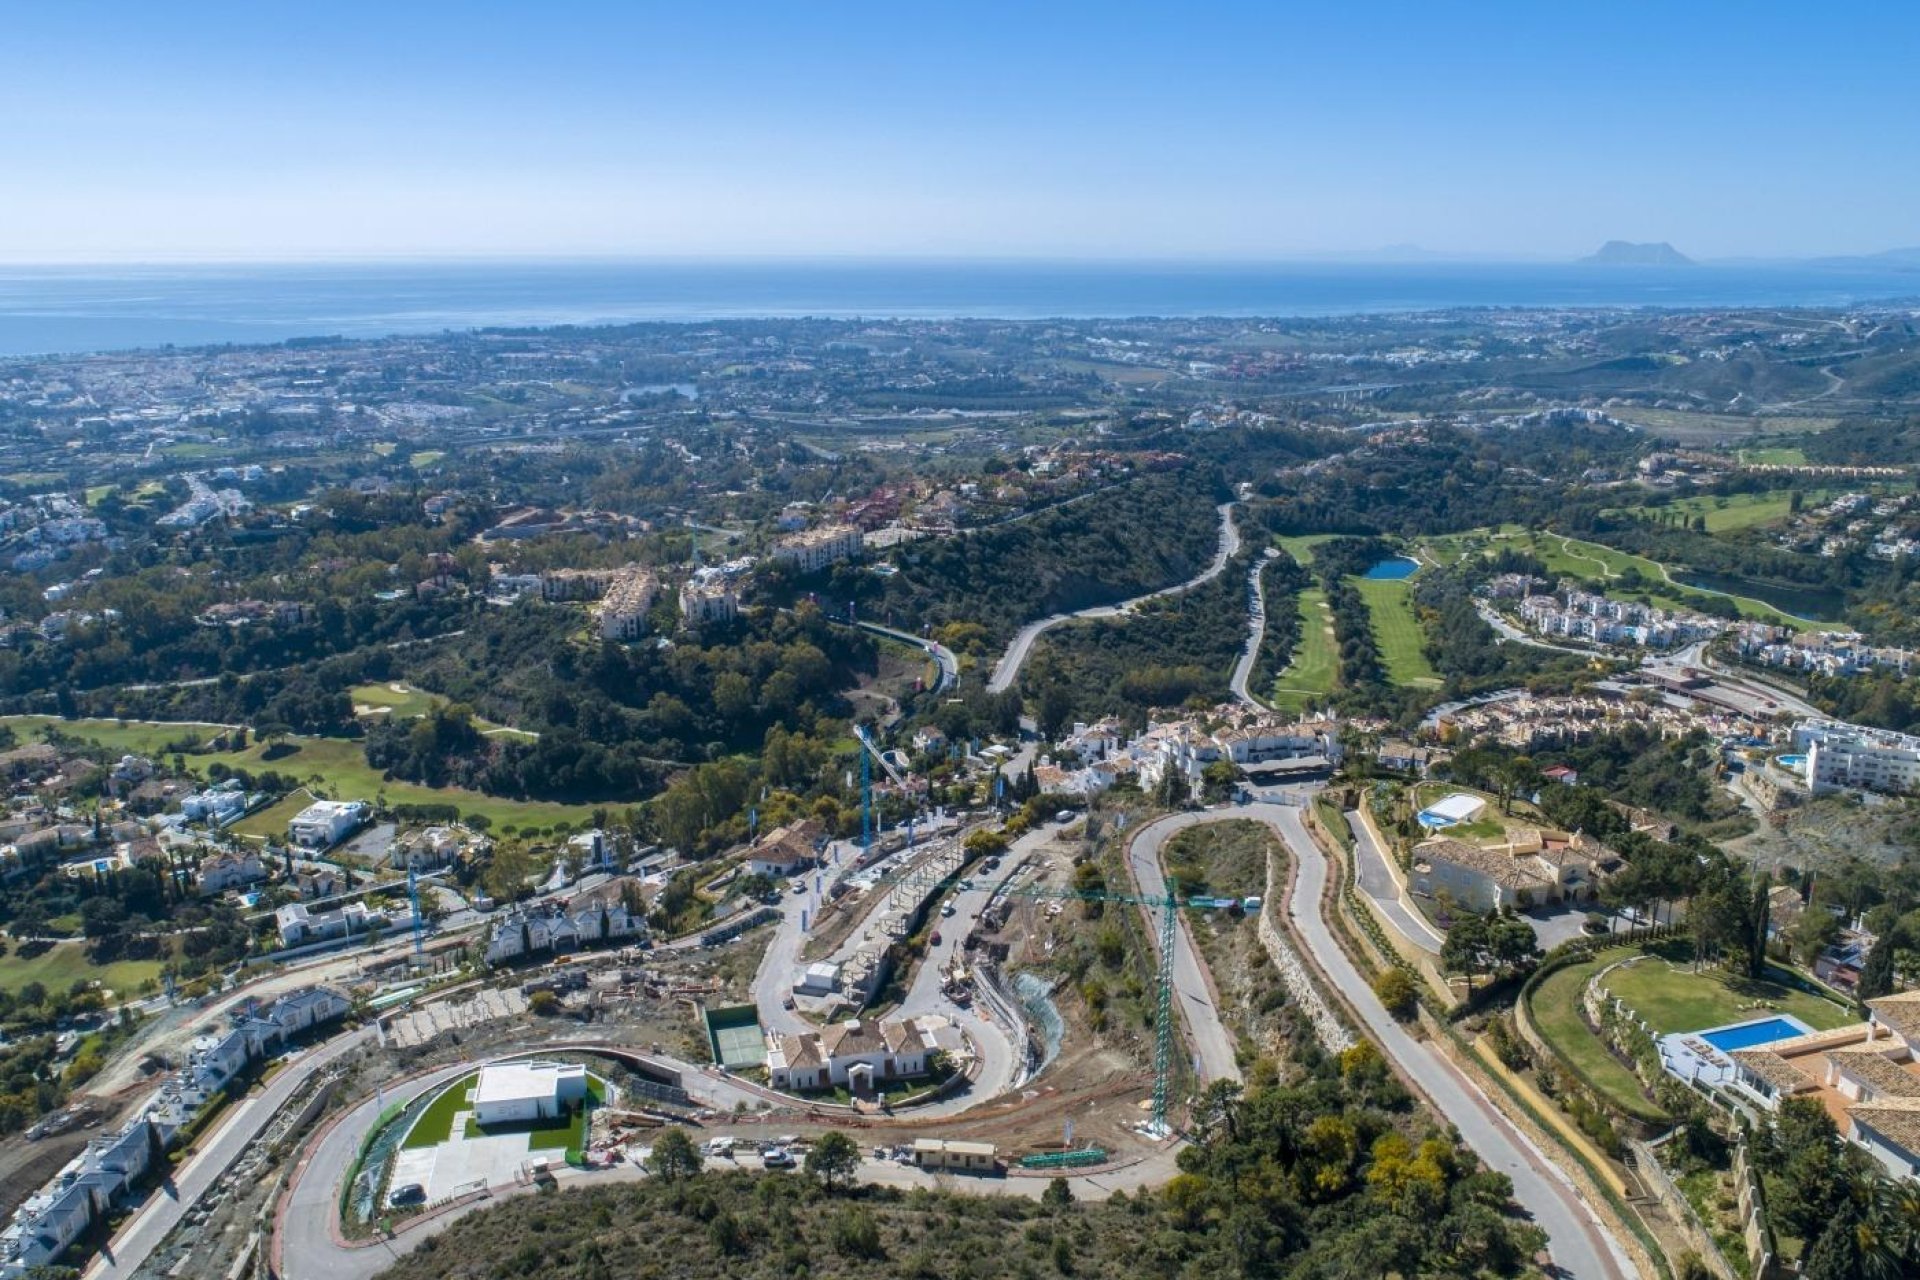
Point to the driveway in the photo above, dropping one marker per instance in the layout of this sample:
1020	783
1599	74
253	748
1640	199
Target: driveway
1377	882
1555	925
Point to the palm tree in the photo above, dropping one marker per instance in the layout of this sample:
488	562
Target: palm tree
1890	1234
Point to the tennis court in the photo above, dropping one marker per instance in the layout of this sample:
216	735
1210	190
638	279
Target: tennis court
734	1035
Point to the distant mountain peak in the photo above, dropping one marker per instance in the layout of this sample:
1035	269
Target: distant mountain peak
1625	253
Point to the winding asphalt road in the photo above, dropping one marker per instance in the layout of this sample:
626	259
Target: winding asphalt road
942	656
1256	631
1211	1040
1008	668
1582	1246
142	1233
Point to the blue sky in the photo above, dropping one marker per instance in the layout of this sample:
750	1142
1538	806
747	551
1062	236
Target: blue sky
209	130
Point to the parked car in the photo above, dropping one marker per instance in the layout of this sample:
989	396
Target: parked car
407	1193
946	911
776	1158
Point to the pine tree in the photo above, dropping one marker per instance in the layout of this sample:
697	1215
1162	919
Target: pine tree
1876	975
1836	1254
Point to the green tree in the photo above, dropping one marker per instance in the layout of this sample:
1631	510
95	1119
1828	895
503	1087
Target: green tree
835	1159
1219	778
1815	1173
673	1156
1876	975
1836	1253
983	842
1396	992
1465	948
1814	932
1058	1195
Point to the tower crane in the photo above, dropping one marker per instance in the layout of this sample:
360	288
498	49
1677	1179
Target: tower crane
1161	908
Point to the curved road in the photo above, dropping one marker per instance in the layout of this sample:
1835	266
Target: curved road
1212	1042
941	655
1008	668
1582	1246
1256	631
141	1234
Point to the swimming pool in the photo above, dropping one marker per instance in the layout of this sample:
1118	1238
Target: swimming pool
1749	1034
1792	762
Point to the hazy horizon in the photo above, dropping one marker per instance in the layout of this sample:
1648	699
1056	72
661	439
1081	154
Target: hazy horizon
1387	256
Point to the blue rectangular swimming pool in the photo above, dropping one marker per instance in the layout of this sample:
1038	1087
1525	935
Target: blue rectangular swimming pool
1749	1034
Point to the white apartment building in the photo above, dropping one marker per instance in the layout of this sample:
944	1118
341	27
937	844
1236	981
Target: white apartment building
714	601
628	601
815	549
1842	756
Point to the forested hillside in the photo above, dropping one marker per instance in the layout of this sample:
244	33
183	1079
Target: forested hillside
1167	651
1124	541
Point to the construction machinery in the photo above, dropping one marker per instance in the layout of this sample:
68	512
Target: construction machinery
1161	910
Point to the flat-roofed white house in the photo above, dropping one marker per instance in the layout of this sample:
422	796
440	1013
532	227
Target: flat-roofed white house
516	1092
325	823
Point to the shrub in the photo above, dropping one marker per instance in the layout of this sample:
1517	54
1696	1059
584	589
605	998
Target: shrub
857	1235
1396	992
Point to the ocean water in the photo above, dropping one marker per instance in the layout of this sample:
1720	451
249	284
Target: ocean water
63	309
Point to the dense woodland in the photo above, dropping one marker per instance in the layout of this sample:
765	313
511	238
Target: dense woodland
1167	653
1124	541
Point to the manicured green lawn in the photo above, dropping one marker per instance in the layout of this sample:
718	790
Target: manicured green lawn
338	763
403	703
409	703
1777	456
272	820
1315	659
1555	1007
426	457
135	736
1397	631
66	963
1300	546
344	774
435	1124
1665	990
1740	510
1576	558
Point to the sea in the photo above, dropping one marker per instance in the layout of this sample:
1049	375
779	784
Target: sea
47	310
